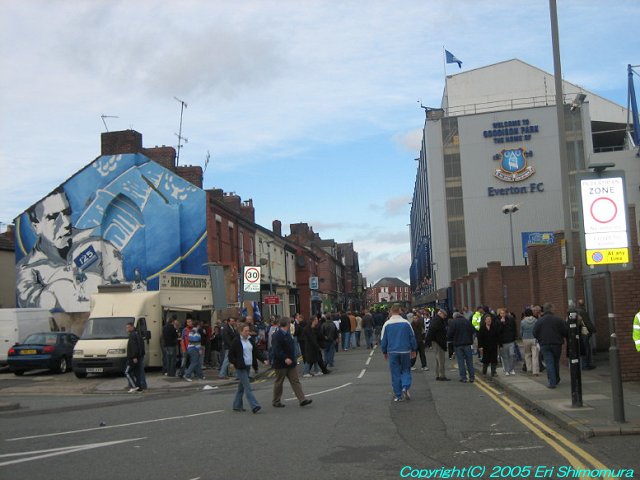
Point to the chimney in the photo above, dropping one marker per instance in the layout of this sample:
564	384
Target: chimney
125	141
276	226
165	156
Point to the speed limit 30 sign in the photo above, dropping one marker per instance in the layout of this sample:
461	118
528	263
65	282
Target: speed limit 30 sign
251	279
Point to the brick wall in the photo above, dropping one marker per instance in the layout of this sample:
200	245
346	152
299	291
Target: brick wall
192	174
543	281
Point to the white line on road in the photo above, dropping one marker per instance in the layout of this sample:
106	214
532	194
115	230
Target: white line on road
114	426
319	393
362	373
368	360
371	354
506	449
61	451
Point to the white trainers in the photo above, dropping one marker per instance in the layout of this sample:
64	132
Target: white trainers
319	374
134	390
307	375
188	379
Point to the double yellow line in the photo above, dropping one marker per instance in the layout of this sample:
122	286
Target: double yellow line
576	456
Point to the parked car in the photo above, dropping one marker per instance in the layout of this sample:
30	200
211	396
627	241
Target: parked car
50	350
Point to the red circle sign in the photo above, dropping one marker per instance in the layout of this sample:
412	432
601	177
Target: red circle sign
252	275
603	210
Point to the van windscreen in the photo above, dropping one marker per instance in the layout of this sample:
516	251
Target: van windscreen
106	327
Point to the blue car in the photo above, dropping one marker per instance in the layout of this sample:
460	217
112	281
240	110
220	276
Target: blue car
47	350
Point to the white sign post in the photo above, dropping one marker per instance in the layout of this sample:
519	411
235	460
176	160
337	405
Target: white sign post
251	279
606	239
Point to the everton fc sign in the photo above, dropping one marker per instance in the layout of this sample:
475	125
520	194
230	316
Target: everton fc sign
513	165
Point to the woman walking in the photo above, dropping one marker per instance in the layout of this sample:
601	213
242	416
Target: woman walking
488	339
243	355
531	348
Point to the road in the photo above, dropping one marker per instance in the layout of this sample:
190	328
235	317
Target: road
351	430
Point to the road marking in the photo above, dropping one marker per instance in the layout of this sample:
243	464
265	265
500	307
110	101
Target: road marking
155	420
321	392
542	431
60	451
371	354
362	373
368	361
490	450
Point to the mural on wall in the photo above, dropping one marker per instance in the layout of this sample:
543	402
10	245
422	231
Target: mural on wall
123	218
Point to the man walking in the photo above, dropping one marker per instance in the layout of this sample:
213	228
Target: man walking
587	331
229	334
135	361
550	331
284	363
437	336
399	345
460	333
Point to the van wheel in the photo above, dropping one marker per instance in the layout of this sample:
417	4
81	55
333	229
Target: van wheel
19	373
80	374
62	365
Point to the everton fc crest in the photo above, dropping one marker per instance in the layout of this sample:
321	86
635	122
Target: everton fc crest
513	165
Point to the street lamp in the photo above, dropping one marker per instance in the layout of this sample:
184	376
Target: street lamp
511	209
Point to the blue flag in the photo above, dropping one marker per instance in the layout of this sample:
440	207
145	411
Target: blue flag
451	58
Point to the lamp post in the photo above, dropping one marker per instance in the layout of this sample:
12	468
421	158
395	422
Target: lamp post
510	210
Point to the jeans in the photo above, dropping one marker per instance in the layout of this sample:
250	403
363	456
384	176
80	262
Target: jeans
400	367
224	369
465	357
356	342
508	354
585	351
329	353
244	388
368	337
171	354
551	355
346	340
307	368
194	363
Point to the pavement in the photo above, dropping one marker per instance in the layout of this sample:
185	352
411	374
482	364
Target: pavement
596	415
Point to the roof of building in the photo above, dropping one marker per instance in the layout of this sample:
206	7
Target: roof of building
7	243
514	84
390	282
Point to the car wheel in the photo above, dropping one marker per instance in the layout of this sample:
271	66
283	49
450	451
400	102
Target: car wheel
19	373
80	374
62	365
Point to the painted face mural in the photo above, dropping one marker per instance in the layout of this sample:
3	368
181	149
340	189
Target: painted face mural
102	226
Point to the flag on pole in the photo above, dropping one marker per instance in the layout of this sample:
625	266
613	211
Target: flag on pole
451	58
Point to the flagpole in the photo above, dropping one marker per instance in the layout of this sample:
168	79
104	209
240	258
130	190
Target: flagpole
444	68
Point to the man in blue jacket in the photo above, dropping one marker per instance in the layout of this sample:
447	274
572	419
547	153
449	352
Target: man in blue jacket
460	333
399	346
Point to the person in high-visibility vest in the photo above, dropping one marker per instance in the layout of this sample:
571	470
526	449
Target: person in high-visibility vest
636	330
476	319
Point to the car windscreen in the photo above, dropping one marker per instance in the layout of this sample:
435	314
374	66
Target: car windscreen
41	339
106	327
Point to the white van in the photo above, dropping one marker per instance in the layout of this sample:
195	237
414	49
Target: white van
17	323
102	347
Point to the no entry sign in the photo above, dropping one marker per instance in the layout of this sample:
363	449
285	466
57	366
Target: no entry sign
604	219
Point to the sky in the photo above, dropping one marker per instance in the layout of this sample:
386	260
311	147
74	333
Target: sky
309	108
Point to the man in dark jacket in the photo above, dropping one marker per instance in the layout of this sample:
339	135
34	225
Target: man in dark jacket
437	336
170	339
229	334
461	333
330	335
550	331
134	370
345	331
284	363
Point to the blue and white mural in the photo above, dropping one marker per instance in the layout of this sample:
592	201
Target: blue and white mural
123	218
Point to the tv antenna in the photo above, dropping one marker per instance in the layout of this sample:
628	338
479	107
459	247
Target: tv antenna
206	161
183	105
103	116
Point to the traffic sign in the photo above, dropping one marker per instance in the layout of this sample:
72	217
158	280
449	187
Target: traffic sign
271	300
251	279
604	219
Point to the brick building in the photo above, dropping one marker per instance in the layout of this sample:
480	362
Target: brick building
388	289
